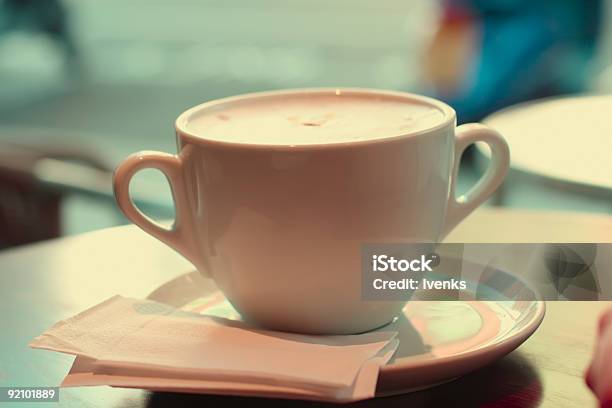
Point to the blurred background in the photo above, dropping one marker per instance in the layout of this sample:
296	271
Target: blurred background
85	83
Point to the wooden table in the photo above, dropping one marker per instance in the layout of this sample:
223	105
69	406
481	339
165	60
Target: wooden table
43	283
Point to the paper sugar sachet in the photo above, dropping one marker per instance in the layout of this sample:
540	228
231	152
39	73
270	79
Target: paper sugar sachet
144	344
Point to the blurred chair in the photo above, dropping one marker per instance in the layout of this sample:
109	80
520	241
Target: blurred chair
36	179
33	182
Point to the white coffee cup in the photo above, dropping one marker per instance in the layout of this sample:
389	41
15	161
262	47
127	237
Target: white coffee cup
279	226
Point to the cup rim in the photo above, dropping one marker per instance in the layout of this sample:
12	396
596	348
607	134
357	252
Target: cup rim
182	130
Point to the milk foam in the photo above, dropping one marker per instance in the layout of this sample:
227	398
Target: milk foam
303	119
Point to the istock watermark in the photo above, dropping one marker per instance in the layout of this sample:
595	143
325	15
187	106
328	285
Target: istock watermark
384	263
552	271
398	271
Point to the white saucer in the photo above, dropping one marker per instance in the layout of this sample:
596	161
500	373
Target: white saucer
439	340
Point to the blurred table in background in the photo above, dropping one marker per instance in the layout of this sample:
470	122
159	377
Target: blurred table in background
561	153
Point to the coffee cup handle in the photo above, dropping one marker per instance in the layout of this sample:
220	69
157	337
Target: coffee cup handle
181	236
460	207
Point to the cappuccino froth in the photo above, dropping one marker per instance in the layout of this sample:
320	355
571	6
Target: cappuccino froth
313	119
